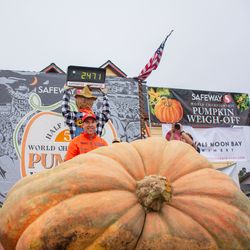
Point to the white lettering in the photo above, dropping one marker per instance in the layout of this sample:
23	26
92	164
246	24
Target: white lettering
206	97
50	90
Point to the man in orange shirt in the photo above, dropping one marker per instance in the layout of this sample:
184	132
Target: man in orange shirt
87	140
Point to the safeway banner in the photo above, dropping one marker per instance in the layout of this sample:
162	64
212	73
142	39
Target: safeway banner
198	108
217	144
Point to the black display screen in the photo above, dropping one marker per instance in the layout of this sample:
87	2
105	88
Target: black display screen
86	74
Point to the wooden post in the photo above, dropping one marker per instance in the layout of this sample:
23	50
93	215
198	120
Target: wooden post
141	108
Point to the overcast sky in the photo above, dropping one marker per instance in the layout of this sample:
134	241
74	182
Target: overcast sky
208	50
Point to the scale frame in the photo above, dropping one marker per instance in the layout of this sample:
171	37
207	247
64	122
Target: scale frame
83	84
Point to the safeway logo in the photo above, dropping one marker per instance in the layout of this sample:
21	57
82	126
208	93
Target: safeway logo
227	99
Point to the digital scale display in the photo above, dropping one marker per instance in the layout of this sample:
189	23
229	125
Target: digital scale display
78	76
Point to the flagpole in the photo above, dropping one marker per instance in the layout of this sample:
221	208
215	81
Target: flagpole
146	71
168	35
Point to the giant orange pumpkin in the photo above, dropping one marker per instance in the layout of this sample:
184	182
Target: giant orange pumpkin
168	110
148	194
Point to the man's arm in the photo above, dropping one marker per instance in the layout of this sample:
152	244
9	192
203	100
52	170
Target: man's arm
187	138
66	112
104	116
72	151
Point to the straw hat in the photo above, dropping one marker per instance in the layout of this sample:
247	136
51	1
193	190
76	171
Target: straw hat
85	92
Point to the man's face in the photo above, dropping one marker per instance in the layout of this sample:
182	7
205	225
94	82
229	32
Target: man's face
89	126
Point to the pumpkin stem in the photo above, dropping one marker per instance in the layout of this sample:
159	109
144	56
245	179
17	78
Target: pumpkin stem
166	102
152	191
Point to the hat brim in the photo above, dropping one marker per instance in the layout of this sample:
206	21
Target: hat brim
90	117
88	97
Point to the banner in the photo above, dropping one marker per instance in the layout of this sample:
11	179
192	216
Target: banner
198	108
217	144
46	148
33	134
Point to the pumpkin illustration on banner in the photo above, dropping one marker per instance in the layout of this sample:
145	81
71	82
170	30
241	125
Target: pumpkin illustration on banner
168	110
148	194
163	106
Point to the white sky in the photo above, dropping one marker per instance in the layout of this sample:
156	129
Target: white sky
209	48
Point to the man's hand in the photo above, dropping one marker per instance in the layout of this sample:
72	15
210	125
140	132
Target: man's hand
66	87
104	90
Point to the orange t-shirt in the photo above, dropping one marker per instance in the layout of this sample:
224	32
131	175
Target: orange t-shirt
82	144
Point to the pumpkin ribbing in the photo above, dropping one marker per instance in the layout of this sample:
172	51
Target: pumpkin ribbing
90	202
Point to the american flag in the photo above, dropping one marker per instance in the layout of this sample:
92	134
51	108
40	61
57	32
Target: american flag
154	61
